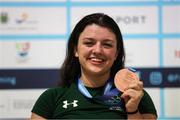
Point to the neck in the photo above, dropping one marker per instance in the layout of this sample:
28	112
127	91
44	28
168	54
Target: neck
94	81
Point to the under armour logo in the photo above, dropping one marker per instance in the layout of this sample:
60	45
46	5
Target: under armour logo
74	103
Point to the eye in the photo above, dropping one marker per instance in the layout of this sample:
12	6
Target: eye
107	45
88	43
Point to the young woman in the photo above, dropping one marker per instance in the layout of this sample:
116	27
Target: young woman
95	53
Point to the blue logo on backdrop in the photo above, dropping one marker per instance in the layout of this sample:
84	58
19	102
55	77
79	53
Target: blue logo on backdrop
173	78
155	78
8	80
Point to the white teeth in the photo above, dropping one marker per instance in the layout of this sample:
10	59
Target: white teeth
96	59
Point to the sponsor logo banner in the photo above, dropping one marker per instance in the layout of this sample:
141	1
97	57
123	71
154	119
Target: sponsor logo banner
131	20
45	78
33	20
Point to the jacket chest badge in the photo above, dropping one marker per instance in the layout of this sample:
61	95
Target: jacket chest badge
67	103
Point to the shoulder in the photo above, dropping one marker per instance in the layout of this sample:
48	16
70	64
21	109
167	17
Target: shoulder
146	95
146	104
53	92
56	93
46	103
50	94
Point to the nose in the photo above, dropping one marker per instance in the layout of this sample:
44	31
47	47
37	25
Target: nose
97	48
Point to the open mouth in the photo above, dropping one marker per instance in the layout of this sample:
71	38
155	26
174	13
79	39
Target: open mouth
95	60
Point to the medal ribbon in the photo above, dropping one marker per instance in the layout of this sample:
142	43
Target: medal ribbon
109	95
107	90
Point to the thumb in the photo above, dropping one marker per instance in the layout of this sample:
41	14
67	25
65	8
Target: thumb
125	97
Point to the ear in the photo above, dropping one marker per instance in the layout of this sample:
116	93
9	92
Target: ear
75	52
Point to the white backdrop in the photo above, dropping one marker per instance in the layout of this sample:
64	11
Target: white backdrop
33	35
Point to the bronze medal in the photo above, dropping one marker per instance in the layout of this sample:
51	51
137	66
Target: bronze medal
123	78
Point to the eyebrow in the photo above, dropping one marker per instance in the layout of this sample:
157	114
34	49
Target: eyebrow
108	40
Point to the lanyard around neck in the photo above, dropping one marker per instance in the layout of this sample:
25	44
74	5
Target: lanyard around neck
110	96
107	90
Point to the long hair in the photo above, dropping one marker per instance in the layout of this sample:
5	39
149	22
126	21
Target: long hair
70	69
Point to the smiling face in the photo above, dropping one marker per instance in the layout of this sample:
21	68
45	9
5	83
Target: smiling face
96	50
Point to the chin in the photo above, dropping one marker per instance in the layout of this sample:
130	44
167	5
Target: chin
97	72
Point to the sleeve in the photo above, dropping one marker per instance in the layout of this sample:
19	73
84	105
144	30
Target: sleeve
146	105
44	105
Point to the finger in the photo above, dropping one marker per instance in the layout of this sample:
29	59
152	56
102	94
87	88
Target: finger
125	96
136	85
131	93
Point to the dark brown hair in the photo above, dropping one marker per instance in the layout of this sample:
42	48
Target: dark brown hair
70	70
